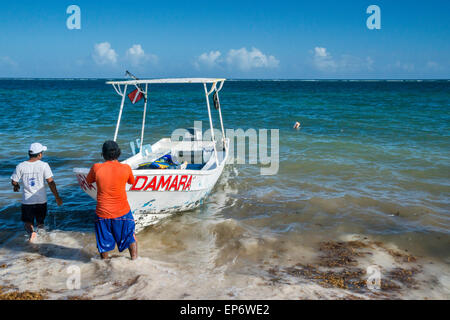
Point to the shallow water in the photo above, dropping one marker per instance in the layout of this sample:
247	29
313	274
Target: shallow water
371	160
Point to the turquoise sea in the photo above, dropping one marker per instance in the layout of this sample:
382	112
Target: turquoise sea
371	161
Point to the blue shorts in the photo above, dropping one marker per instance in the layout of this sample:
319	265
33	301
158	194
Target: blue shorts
111	231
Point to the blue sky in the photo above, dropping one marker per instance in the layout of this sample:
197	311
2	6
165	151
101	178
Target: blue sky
233	39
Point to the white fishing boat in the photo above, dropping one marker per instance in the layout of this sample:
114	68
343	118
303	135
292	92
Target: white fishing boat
158	193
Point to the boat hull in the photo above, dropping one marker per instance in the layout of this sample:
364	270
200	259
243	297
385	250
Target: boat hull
157	194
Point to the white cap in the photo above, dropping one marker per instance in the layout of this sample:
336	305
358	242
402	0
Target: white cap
37	148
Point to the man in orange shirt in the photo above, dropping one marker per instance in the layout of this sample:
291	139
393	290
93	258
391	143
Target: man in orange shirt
115	222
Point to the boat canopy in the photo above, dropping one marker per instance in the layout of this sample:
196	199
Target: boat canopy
216	85
173	80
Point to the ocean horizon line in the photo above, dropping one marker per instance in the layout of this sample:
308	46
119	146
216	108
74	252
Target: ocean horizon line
235	79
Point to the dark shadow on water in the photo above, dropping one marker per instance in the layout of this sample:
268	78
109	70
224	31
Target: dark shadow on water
16	240
55	251
68	219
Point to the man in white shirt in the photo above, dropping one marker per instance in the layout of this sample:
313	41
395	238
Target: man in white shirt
34	197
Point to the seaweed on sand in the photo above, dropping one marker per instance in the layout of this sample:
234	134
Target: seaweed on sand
343	279
336	266
341	254
22	295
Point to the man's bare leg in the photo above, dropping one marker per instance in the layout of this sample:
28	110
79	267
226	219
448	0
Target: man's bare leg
133	250
104	255
29	228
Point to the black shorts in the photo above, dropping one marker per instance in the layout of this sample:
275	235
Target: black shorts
34	211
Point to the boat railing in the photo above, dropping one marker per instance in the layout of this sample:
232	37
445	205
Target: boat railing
216	85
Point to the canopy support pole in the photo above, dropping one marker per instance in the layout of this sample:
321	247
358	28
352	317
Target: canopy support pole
220	115
210	120
143	118
123	94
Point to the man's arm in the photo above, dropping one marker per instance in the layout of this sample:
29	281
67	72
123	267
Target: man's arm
90	178
52	185
15	178
16	185
130	175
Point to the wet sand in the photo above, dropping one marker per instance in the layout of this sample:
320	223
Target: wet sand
327	270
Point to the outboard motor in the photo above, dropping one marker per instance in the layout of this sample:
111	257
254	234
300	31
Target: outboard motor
195	155
193	134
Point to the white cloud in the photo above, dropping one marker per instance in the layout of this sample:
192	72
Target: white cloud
324	61
208	60
104	54
432	65
137	56
7	61
349	63
241	59
321	52
246	60
404	66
